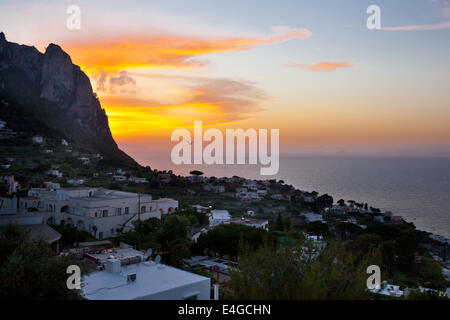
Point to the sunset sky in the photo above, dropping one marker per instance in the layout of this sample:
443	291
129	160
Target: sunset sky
309	68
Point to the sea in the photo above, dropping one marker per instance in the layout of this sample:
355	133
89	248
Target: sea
416	188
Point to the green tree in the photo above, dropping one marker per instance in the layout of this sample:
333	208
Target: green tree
301	271
318	228
174	240
225	239
29	270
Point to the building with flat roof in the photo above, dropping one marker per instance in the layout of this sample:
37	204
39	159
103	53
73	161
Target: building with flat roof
257	223
107	210
144	281
124	255
217	217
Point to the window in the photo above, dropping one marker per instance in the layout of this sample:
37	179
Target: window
100	235
105	213
142	209
119	211
127	210
112	232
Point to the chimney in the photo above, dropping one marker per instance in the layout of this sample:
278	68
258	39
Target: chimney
113	265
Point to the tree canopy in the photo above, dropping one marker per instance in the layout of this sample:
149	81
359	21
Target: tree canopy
29	270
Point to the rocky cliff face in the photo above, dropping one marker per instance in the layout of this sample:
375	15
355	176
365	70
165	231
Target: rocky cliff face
56	80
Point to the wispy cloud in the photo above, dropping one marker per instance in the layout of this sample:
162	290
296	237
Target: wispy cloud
170	51
119	82
321	66
419	27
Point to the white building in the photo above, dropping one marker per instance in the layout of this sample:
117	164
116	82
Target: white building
165	205
38	139
207	187
257	223
248	196
75	182
138	180
144	281
64	142
277	196
388	290
218	217
311	217
199	208
262	192
309	199
52	185
85	160
55	173
105	209
218	188
250	185
340	210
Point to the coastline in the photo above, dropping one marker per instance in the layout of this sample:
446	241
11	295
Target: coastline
423	205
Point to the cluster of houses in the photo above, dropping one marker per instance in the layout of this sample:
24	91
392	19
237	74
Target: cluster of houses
120	176
379	217
242	189
250	190
395	291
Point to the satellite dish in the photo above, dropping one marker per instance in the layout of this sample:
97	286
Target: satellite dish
148	254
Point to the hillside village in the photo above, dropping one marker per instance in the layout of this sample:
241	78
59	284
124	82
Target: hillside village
65	191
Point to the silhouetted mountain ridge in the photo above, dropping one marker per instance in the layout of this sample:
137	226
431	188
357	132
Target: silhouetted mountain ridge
56	95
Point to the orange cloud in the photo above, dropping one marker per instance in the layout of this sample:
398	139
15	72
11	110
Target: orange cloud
419	27
164	50
322	66
214	101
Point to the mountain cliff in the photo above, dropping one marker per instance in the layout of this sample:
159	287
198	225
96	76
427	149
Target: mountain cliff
49	88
